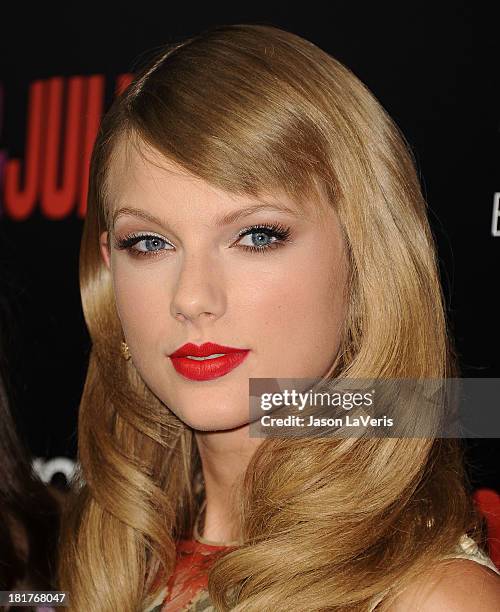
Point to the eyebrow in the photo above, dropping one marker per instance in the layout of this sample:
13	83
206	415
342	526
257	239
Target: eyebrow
221	221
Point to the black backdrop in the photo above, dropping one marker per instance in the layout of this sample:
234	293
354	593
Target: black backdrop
434	67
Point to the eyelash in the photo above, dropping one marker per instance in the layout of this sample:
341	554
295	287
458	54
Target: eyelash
279	231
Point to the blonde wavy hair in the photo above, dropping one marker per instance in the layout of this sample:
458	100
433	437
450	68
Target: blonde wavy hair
325	523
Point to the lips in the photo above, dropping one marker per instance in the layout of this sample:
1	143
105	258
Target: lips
204	350
209	368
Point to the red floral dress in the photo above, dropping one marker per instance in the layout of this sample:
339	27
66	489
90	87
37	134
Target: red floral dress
187	587
186	590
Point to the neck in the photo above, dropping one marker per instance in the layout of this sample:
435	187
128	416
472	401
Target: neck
224	458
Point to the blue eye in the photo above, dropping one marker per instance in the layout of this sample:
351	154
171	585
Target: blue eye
264	233
151	244
268	238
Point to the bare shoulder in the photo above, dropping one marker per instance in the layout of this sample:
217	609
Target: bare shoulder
457	585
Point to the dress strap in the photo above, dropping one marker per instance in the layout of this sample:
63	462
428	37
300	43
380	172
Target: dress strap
467	548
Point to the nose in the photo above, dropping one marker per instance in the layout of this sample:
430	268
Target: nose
198	290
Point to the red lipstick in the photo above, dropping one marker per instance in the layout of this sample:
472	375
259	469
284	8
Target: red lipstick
207	369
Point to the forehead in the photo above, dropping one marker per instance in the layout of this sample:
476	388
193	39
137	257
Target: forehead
134	165
140	176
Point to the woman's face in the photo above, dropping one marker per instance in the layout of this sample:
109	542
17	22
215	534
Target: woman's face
186	278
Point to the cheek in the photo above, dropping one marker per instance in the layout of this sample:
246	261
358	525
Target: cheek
138	302
305	306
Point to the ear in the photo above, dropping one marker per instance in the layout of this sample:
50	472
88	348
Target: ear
104	246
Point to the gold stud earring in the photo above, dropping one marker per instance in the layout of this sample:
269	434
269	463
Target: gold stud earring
125	351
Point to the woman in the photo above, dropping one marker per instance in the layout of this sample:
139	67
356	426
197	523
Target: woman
247	141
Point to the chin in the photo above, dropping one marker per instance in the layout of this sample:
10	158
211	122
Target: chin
212	423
